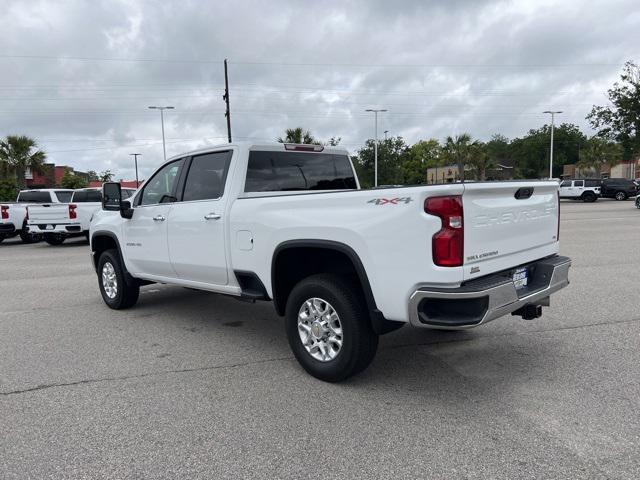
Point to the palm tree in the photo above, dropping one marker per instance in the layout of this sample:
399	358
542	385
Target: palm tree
459	150
298	135
480	160
19	152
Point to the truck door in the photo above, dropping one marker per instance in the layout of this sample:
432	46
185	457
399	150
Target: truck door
197	223
565	189
146	247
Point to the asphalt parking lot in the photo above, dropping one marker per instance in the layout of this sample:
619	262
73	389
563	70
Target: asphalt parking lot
196	385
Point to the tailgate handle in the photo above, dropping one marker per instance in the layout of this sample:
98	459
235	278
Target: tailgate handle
524	193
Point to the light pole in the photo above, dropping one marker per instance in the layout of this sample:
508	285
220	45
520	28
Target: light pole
162	109
553	114
385	135
135	159
375	145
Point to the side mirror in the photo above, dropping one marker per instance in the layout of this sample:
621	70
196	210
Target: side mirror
112	200
111	196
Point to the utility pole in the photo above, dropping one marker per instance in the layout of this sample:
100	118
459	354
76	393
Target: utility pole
375	145
225	97
162	109
553	113
135	159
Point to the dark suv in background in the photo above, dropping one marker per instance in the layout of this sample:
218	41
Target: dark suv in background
618	188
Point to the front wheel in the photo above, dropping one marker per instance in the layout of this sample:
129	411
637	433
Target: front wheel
621	196
328	327
116	292
2	237
638	201
54	238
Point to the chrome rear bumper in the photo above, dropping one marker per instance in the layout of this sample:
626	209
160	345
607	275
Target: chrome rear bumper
485	299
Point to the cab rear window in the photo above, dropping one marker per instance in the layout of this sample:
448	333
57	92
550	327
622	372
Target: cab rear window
34	196
298	171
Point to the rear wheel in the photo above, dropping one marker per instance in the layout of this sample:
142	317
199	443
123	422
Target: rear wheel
328	327
589	197
54	238
2	237
116	292
638	201
27	237
621	196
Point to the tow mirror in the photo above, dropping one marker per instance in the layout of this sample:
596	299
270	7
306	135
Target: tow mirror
111	196
112	200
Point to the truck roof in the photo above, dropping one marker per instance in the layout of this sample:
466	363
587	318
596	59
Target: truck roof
273	146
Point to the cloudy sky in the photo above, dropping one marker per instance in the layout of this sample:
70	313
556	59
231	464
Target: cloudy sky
79	75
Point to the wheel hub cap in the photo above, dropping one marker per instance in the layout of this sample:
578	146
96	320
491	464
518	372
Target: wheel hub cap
109	280
320	329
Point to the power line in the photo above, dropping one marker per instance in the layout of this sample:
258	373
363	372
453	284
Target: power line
315	64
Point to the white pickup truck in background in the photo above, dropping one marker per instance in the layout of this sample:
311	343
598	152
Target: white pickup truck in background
13	216
58	221
343	265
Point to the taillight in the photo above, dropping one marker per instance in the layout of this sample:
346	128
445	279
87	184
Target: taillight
72	211
448	242
4	212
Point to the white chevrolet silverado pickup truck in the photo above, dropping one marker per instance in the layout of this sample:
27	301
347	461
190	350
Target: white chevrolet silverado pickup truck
13	216
58	221
343	265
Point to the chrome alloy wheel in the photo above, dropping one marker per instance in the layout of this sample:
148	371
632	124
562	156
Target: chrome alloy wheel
109	280
320	329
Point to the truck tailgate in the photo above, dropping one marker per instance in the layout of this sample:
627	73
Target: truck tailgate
507	224
49	213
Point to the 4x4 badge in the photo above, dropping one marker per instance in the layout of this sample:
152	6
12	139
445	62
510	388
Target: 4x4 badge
391	201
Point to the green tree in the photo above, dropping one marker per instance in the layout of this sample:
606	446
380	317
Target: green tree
298	135
599	151
621	120
419	157
391	155
92	176
459	150
8	190
105	176
69	180
333	141
480	160
531	152
19	152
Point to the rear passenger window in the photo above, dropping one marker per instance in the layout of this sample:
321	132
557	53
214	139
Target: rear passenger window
290	171
206	177
591	183
578	183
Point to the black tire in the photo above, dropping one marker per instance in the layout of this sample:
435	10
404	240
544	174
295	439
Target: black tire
638	201
127	293
589	197
359	341
2	237
620	196
54	238
27	237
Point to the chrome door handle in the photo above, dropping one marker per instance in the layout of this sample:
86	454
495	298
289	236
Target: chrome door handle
159	218
212	216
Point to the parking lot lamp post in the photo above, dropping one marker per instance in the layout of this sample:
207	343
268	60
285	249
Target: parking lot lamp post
162	109
375	145
135	159
553	113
